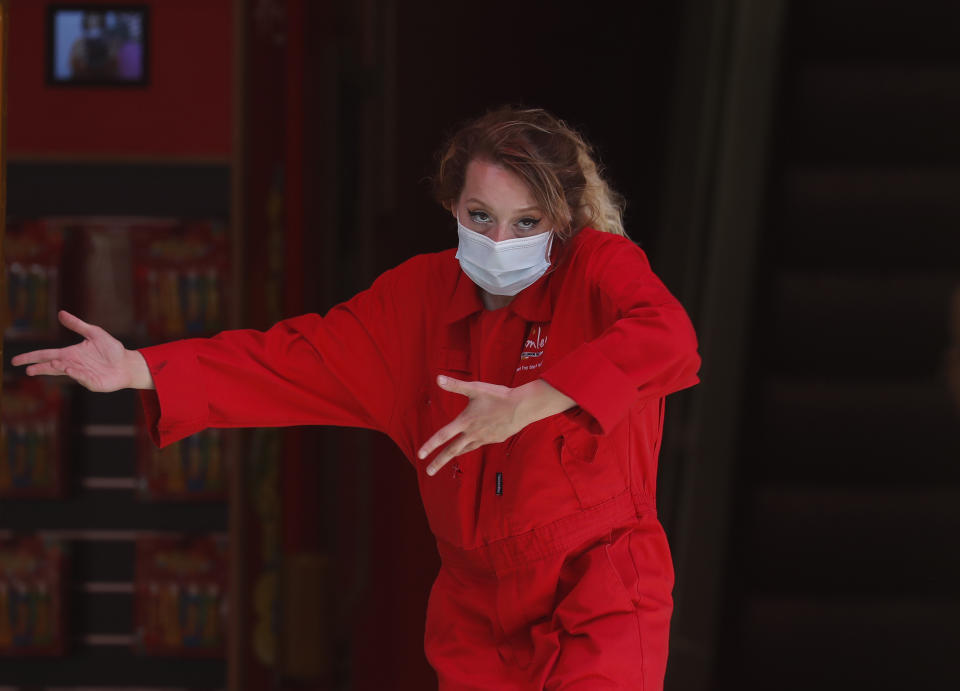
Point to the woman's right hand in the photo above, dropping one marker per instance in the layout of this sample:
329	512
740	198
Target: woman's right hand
98	363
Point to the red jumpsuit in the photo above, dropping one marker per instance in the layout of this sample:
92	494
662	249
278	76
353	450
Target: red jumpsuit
555	570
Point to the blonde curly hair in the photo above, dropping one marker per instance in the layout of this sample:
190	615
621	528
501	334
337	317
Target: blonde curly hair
553	159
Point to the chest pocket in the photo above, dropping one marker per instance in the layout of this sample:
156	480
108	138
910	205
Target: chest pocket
448	495
597	466
450	357
454	363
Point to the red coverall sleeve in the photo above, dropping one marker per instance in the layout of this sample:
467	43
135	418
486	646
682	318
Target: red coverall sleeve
648	351
307	370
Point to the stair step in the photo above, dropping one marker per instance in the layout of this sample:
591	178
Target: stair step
852	542
920	30
861	324
865	218
874	113
848	431
879	645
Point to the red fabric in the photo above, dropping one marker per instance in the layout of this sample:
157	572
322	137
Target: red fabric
593	616
550	537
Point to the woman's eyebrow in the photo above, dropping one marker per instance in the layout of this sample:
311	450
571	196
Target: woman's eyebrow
518	211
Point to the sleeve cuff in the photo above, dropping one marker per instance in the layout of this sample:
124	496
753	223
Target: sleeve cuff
598	386
177	407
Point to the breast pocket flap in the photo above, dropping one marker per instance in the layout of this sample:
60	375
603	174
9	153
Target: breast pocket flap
454	361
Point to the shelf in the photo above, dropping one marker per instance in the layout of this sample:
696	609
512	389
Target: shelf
57	188
106	510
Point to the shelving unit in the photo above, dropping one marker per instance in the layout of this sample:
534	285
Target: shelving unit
102	513
172	149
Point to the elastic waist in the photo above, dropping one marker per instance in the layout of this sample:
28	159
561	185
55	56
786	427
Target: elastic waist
562	535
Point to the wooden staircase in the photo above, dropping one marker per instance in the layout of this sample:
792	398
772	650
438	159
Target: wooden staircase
845	571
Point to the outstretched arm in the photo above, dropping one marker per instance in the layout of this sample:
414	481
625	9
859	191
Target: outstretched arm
336	369
305	370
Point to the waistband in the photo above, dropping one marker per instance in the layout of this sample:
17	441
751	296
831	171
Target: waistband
562	535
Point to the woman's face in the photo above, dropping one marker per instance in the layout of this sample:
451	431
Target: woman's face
497	203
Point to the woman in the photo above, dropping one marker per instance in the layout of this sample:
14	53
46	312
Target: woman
524	377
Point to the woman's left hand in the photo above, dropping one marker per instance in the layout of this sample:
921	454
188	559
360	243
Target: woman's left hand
493	414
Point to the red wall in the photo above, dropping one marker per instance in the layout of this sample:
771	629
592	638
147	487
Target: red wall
184	111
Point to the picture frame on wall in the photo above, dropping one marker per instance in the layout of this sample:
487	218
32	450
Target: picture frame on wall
98	45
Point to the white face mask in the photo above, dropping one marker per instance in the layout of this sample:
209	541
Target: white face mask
505	267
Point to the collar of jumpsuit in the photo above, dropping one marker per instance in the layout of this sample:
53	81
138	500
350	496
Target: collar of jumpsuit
529	304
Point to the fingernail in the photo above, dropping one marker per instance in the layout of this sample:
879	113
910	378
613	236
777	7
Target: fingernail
442	379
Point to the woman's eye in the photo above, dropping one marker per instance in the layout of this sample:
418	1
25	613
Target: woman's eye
479	216
528	223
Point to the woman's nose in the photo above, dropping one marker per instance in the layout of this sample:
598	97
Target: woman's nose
500	233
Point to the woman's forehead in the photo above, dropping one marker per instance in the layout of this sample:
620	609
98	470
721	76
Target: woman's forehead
494	184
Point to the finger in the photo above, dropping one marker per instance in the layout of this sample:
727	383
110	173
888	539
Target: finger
459	386
35	356
454	449
50	368
76	324
442	436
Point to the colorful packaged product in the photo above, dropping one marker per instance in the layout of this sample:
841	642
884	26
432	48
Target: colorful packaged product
32	610
31	427
180	278
105	251
181	595
32	254
190	469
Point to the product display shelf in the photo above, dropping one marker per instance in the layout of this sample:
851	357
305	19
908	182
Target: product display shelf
103	513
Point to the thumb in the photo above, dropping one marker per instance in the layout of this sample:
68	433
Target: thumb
76	324
459	386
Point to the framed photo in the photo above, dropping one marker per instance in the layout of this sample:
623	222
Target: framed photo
98	45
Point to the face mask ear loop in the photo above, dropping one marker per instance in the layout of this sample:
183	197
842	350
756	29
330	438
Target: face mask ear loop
551	266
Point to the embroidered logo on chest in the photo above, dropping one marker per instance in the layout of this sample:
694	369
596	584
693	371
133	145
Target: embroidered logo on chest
531	357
